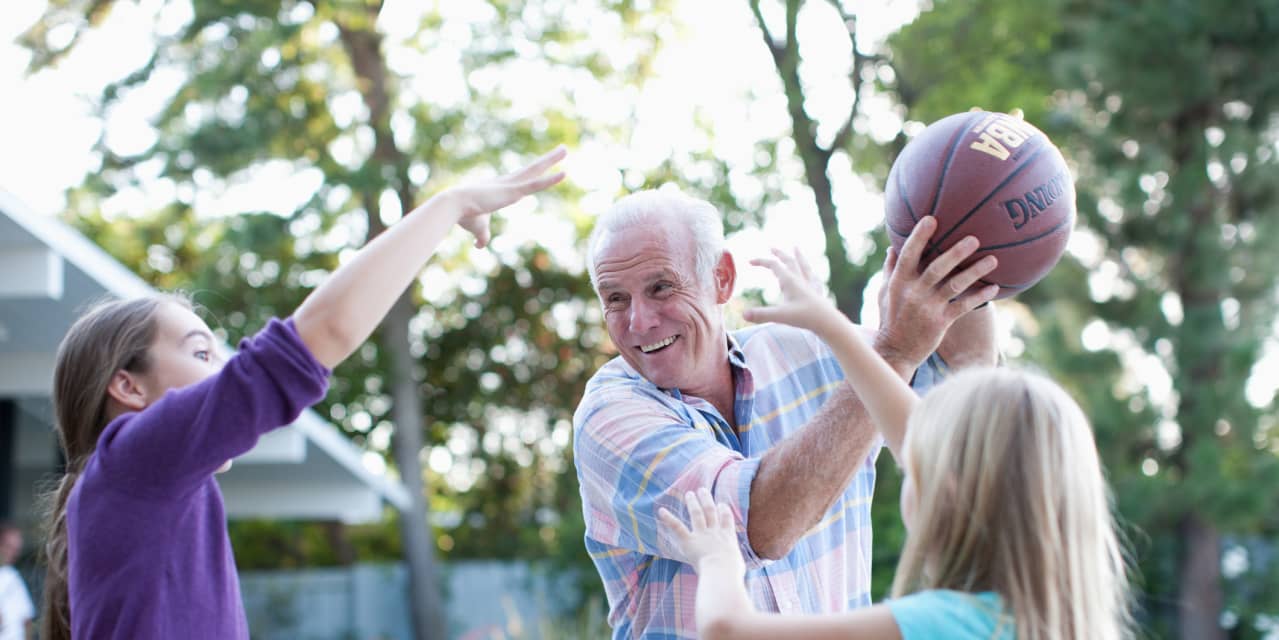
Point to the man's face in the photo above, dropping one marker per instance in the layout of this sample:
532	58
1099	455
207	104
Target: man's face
10	546
662	315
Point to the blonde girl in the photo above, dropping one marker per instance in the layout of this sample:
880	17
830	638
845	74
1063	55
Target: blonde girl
1008	513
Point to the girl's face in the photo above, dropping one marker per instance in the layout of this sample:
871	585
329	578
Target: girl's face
184	352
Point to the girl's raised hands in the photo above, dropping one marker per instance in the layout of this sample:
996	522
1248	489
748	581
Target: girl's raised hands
478	200
713	534
804	302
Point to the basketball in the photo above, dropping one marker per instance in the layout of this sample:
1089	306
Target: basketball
988	175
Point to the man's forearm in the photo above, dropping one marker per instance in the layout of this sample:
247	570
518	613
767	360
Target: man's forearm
972	340
802	476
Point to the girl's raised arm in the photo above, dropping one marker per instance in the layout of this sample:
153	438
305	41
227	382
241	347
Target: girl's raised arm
343	311
887	397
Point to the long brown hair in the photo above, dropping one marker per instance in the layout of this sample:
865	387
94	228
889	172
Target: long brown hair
112	336
1011	498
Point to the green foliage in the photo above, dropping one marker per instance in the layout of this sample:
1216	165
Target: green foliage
989	54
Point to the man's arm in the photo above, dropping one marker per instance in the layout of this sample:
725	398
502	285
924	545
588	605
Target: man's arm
799	478
802	476
971	341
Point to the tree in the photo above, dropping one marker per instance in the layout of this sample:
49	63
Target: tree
848	277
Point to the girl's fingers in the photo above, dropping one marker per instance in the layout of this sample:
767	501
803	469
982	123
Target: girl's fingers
478	226
726	519
541	164
770	263
709	508
783	257
760	315
708	501
780	270
672	522
805	270
695	515
533	185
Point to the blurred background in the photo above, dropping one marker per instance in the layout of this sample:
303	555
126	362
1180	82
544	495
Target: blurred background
242	149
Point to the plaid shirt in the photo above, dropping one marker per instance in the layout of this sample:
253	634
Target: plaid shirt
638	448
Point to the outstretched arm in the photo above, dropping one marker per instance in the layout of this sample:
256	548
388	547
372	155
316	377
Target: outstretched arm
341	314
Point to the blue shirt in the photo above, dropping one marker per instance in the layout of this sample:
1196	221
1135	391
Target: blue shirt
954	615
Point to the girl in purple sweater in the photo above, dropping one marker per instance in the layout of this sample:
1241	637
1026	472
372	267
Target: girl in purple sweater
147	411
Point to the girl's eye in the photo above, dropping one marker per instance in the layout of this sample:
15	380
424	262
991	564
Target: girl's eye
203	355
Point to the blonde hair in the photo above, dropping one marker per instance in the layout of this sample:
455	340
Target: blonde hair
1011	499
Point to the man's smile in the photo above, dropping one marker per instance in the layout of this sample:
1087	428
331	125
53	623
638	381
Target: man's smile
660	344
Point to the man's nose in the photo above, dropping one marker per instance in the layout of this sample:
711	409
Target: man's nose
644	316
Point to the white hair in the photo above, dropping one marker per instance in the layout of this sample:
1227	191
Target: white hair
664	206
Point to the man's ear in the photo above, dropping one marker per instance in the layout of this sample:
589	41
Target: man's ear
725	278
125	390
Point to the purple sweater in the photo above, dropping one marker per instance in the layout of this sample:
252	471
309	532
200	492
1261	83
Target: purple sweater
149	555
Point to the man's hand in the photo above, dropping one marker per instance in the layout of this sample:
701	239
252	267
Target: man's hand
917	306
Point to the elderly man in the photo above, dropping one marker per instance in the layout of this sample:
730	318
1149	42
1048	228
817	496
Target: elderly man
760	416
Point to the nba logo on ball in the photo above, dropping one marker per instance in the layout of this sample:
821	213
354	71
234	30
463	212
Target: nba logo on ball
992	176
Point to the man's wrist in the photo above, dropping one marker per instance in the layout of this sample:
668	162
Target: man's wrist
900	361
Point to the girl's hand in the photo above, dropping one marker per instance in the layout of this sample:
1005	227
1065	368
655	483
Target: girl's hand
804	302
713	537
477	201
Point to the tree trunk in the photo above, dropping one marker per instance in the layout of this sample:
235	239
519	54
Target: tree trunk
1200	603
847	283
343	551
424	596
364	47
